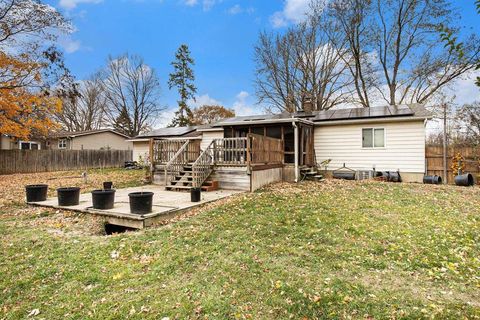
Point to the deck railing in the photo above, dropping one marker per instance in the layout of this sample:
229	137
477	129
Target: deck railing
230	151
202	167
164	150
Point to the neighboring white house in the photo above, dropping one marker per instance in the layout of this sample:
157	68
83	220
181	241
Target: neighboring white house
388	138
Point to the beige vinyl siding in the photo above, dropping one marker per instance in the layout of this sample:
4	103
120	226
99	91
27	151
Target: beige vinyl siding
140	149
102	140
404	146
5	142
208	136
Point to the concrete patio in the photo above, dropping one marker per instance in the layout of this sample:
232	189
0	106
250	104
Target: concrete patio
166	204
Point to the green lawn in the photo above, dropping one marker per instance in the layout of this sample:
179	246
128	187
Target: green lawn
313	250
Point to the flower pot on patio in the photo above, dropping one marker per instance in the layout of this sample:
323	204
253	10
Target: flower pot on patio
107	185
141	202
195	194
36	192
103	199
69	196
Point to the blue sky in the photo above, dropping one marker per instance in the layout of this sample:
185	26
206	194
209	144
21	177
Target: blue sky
220	33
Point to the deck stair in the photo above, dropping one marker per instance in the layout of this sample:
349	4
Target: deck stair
187	175
184	181
310	173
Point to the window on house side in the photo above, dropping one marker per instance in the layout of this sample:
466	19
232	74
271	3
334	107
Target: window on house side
62	144
373	138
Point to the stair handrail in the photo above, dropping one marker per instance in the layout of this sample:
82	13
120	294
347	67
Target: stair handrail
174	166
202	167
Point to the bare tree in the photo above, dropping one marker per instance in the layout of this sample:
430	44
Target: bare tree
276	71
302	65
395	48
415	64
132	93
85	110
352	17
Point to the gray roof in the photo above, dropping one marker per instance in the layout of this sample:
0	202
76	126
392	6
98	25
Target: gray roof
414	110
73	134
168	132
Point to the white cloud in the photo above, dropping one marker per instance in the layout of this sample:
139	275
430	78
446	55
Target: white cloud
70	45
241	106
464	90
238	9
206	4
202	100
191	3
165	118
72	4
293	11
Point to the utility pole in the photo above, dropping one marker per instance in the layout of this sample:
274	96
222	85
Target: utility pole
445	145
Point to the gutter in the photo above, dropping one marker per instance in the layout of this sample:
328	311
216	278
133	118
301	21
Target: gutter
370	120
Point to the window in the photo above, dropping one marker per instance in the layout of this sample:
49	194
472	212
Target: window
28	145
62	144
373	138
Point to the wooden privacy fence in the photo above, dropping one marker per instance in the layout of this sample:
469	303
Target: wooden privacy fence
434	159
29	161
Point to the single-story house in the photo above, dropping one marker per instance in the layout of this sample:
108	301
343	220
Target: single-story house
8	142
248	152
81	140
100	139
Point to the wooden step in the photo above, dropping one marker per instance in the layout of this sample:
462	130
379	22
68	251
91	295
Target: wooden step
210	185
178	187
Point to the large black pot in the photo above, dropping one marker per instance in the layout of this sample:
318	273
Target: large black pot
464	180
195	194
103	199
432	179
141	202
68	196
36	192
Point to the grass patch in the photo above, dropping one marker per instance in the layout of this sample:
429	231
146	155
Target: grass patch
313	250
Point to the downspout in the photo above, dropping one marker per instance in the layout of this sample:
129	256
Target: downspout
295	137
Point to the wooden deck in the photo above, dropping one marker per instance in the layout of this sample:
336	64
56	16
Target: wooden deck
166	205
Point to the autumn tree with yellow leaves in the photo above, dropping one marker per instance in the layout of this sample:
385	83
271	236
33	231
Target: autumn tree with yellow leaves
32	74
23	110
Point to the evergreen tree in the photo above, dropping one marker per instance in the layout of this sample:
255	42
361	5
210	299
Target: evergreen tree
123	123
182	78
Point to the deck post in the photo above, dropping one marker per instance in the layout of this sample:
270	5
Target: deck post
295	135
151	158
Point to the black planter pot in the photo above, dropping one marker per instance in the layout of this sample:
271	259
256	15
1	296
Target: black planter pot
107	185
195	194
465	180
68	196
36	192
141	202
432	179
103	199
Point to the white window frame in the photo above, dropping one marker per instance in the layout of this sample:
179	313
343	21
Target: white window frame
373	137
62	143
29	145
